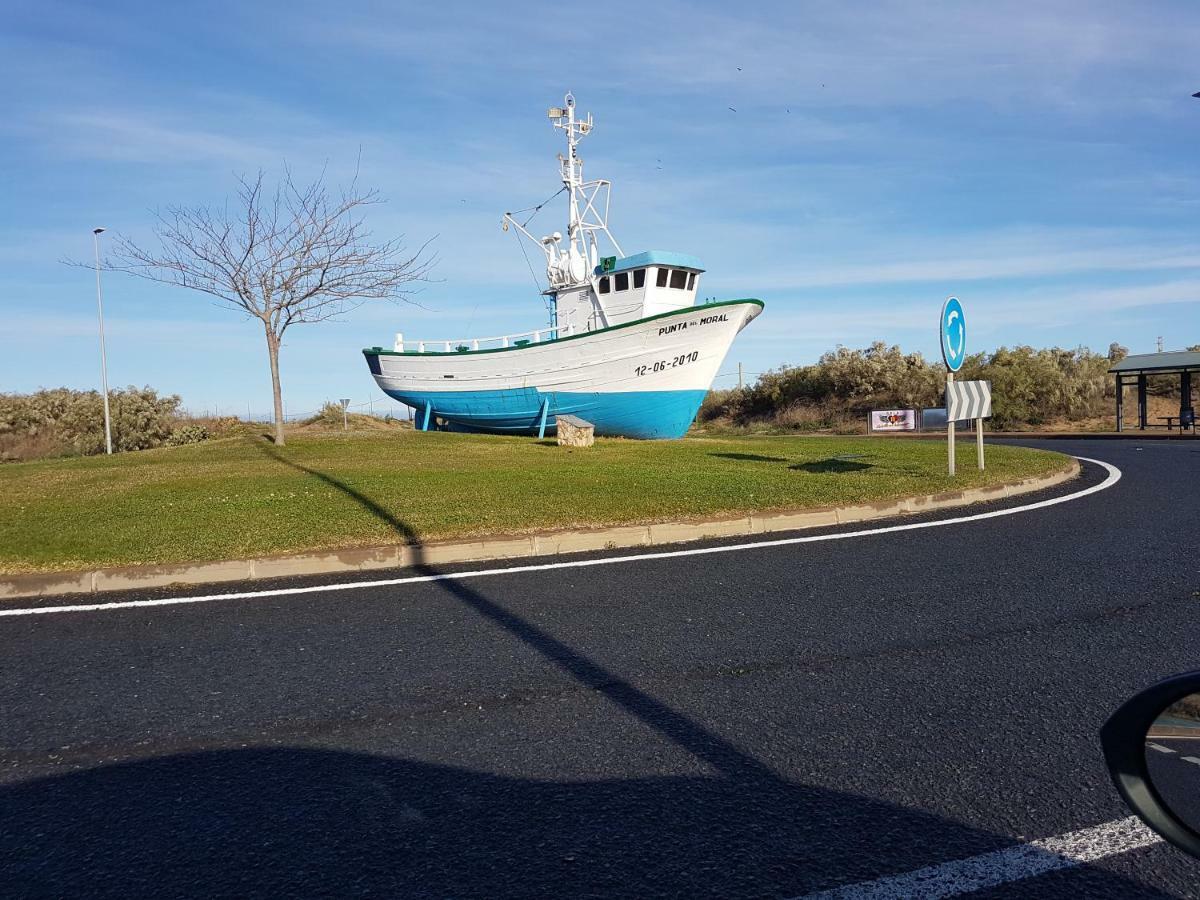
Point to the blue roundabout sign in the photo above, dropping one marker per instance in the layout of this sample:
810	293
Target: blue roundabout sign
953	334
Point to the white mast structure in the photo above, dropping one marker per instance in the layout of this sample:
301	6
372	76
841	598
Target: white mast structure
571	268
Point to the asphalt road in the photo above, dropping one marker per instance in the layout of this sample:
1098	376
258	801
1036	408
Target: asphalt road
1174	765
764	722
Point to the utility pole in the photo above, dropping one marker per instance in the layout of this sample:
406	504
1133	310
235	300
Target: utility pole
740	383
1160	344
96	232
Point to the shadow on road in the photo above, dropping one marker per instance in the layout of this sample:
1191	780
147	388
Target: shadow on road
308	821
715	751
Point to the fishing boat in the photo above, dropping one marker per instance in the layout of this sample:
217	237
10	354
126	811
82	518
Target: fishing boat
627	347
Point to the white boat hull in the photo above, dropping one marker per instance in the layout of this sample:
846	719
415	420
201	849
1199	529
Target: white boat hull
642	379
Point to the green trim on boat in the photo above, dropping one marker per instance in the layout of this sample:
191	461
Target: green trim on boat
376	351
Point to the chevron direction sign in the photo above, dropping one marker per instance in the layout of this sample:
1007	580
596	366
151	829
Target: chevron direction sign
968	400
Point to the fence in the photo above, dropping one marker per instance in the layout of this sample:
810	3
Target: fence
373	407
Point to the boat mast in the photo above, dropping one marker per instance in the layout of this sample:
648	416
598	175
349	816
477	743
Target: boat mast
587	211
572	173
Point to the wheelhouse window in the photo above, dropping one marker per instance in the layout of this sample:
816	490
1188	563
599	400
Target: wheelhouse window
604	286
661	279
691	280
678	279
639	278
622	281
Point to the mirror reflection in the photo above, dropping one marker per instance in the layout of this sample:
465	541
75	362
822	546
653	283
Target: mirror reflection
1173	758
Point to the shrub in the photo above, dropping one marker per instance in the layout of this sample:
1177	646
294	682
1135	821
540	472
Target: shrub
216	426
714	406
65	422
1032	387
330	415
832	393
1029	387
187	434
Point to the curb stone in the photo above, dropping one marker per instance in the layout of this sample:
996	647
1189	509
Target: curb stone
510	547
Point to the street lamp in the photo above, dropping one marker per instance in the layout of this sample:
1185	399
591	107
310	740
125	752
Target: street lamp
96	232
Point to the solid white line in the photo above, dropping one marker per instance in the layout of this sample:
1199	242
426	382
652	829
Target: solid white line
1114	475
1002	866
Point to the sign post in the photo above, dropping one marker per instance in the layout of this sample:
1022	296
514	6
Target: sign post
345	417
952	336
979	442
950	428
967	401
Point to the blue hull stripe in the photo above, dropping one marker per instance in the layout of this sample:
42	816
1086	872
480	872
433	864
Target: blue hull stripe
635	414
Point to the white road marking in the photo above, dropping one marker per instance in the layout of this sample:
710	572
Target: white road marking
1159	747
1191	759
1002	866
1114	475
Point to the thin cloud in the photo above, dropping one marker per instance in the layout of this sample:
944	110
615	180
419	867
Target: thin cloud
959	269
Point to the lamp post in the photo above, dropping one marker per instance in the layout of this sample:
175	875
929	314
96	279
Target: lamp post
96	232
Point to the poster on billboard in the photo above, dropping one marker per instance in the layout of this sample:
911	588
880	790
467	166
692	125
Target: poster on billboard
893	420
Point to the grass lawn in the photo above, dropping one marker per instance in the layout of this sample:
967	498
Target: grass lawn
241	497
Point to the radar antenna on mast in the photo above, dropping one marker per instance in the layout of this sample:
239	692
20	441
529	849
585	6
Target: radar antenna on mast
587	209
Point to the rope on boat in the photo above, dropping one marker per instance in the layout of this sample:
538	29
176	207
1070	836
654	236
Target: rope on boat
533	211
537	286
538	208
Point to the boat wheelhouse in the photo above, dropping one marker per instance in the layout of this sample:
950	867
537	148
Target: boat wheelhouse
627	347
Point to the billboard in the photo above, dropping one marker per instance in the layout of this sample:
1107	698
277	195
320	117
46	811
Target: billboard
893	420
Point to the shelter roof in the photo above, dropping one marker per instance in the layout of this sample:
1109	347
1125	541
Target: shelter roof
1167	361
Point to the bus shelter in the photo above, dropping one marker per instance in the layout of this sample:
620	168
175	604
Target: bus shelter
1134	370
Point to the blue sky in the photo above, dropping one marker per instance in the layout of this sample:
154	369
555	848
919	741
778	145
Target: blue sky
1038	160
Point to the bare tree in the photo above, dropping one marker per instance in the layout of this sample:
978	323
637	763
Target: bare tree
285	257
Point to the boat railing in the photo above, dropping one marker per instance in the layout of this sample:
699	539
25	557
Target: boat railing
464	345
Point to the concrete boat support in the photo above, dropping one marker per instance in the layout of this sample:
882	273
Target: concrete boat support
505	547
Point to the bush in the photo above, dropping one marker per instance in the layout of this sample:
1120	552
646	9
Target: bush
330	415
60	422
1032	387
187	434
840	387
216	426
1029	387
714	406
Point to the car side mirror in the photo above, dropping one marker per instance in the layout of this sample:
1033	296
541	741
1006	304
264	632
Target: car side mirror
1152	747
